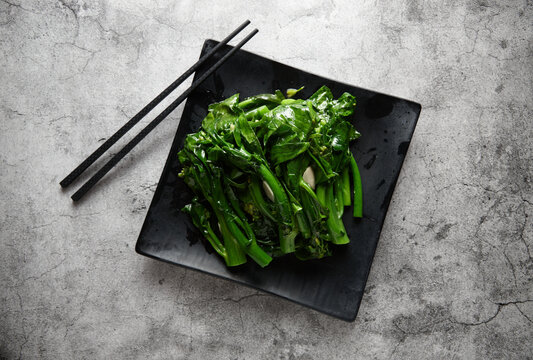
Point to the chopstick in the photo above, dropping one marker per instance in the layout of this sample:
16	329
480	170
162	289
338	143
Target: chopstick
69	179
129	146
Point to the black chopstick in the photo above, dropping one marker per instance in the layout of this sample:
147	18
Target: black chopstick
126	149
152	104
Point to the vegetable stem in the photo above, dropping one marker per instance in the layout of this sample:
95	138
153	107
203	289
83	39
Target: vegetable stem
357	189
334	222
235	254
338	192
346	193
288	228
258	199
256	113
215	242
243	104
280	197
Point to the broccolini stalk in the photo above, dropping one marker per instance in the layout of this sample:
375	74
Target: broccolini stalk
346	193
252	163
235	253
357	189
269	100
256	194
231	221
338	192
280	197
315	212
207	180
257	113
303	225
200	218
326	195
241	218
286	228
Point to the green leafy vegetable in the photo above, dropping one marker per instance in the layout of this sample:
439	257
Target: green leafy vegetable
271	175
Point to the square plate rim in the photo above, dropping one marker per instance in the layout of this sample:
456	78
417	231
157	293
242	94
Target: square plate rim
417	110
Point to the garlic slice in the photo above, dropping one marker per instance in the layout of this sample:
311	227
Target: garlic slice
309	177
268	191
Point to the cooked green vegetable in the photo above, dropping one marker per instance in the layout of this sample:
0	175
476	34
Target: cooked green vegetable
271	175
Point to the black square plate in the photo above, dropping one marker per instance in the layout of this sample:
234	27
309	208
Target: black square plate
332	285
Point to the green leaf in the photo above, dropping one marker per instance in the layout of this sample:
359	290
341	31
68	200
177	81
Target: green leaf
288	151
269	100
221	115
344	106
341	135
287	120
321	98
251	141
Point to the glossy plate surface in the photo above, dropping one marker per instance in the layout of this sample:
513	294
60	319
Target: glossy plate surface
332	285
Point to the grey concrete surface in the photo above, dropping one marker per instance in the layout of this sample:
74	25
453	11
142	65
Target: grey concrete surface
452	276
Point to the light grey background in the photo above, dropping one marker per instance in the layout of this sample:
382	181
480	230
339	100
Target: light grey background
452	275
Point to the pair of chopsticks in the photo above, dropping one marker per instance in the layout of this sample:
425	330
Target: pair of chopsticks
134	120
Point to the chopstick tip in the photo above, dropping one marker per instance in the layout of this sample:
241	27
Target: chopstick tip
77	195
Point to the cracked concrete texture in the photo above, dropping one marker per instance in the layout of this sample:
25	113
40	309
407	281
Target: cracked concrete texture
453	272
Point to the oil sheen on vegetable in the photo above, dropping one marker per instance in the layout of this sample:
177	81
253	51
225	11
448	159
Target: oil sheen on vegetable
272	175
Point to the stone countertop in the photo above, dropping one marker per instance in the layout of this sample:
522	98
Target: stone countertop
452	275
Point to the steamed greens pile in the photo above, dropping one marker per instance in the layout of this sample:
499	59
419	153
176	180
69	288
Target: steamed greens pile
271	175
